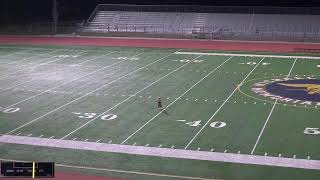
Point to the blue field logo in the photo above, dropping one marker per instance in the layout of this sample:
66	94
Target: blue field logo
296	90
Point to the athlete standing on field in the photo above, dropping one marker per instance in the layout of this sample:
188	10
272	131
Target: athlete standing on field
159	103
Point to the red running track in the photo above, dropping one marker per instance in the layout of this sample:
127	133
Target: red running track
160	43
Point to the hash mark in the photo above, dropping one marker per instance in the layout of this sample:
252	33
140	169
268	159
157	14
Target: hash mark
134	143
181	120
198	149
74	139
86	140
18	134
147	145
160	145
225	151
98	140
51	137
294	156
265	154
40	136
172	146
110	141
29	135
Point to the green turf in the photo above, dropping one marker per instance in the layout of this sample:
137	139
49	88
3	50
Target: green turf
56	76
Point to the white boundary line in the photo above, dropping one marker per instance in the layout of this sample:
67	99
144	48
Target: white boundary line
117	170
103	49
164	152
175	100
88	92
162	77
225	101
248	55
266	122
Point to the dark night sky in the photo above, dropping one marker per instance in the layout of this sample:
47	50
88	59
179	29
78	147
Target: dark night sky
40	10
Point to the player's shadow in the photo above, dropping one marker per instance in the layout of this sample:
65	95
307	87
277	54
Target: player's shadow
165	112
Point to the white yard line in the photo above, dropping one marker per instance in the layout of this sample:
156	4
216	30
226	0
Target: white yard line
94	58
34	120
48	90
248	55
32	67
48	53
19	84
175	100
272	109
225	101
125	100
164	152
14	53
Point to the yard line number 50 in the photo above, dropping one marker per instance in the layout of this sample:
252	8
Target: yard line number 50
106	117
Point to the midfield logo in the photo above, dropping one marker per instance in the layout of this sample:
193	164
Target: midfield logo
295	90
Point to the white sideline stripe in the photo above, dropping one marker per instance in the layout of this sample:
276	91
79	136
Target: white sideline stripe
267	120
164	152
94	50
89	92
176	100
248	55
119	171
168	74
224	102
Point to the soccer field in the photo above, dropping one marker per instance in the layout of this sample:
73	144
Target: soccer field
225	115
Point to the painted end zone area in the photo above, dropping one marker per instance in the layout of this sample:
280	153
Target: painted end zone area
161	43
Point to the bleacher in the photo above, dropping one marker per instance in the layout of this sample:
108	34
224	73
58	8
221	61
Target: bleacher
205	23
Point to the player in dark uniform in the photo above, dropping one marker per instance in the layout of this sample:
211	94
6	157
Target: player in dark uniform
159	103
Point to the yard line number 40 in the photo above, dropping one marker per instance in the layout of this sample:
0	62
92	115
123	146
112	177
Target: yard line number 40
217	124
312	131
